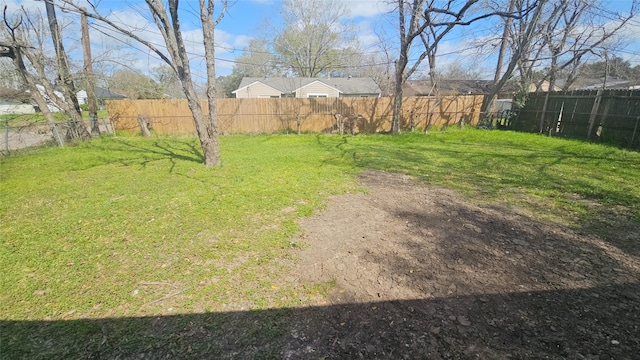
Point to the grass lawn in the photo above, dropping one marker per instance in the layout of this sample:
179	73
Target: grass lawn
558	179
134	227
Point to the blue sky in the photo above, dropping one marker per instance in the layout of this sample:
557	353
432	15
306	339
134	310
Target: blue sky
244	19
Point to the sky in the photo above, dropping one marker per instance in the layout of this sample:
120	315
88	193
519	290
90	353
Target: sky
246	19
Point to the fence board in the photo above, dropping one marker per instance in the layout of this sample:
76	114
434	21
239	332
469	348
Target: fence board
577	114
367	115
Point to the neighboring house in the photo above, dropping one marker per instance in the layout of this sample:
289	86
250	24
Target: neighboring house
446	87
611	83
463	87
101	93
50	103
306	88
15	102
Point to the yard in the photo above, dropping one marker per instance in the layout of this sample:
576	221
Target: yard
457	244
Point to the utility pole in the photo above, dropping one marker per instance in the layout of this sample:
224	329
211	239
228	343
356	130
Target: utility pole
89	77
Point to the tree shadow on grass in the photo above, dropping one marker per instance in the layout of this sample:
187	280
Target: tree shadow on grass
491	172
128	152
567	316
601	322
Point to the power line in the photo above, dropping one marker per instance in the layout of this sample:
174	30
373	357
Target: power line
151	53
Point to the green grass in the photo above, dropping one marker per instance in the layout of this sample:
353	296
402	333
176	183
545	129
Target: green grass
496	165
112	214
27	119
108	228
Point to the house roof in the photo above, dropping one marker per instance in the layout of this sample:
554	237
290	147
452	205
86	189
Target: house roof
446	87
290	85
102	93
459	87
251	81
318	81
611	83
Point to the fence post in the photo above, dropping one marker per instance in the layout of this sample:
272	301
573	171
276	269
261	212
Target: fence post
594	113
106	126
112	126
56	134
6	135
635	130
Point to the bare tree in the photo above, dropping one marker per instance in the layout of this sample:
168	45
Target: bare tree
28	37
89	78
167	81
168	23
136	85
208	27
70	105
314	38
569	38
430	21
27	40
256	60
457	70
528	14
9	77
17	49
581	30
559	34
376	65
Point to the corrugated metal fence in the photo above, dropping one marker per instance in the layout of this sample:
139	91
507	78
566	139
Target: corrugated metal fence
365	115
611	116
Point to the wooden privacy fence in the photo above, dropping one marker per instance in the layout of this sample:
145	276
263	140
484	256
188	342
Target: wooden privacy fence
364	115
611	116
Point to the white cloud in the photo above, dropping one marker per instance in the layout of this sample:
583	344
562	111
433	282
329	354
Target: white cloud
147	30
366	35
13	6
367	8
241	41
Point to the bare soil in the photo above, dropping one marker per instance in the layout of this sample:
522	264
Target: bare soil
421	272
417	272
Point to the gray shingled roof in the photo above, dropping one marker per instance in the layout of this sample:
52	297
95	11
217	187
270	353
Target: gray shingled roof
446	87
102	93
289	85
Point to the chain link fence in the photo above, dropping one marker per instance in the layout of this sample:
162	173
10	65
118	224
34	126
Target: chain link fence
15	137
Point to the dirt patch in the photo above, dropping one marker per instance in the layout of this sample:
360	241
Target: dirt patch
422	272
419	273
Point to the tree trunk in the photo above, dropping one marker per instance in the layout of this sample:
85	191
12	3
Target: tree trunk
523	44
89	77
168	23
77	127
436	88
503	48
397	108
145	127
401	64
18	62
170	29
212	152
545	104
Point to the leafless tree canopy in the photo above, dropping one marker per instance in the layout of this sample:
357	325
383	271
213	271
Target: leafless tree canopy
167	20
